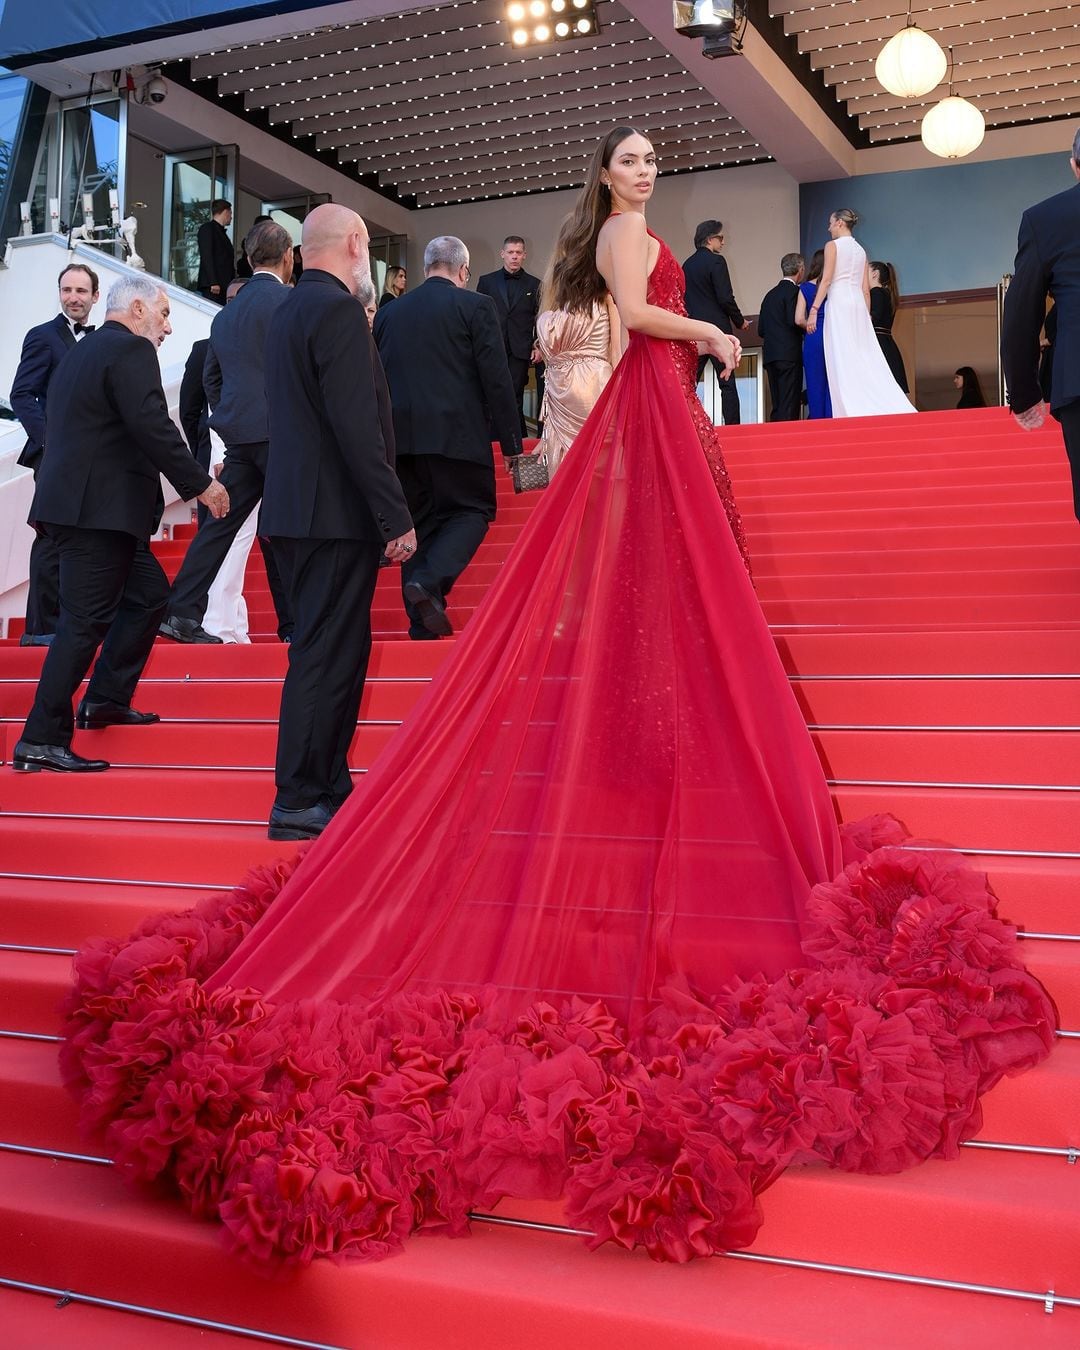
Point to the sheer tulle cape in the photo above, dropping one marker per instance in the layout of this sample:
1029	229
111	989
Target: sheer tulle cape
609	783
583	930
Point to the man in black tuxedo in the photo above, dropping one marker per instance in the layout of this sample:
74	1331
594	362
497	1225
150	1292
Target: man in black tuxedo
44	347
333	501
516	294
235	386
782	340
709	297
443	355
217	262
1047	263
108	439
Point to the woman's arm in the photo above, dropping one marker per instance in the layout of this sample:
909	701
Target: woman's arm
866	285
622	259
800	309
617	338
822	286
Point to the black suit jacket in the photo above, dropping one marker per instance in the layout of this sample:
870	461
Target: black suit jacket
193	409
217	263
329	473
781	336
108	437
709	296
450	385
234	376
517	315
1047	262
44	347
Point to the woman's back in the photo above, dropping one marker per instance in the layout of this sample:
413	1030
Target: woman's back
850	269
575	348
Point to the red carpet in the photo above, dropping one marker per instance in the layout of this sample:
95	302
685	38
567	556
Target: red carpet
922	577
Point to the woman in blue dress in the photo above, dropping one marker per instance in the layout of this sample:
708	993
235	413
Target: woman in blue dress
817	381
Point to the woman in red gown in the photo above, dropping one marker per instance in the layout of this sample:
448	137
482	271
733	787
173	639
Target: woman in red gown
586	929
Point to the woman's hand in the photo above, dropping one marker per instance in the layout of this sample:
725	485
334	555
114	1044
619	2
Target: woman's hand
811	321
726	349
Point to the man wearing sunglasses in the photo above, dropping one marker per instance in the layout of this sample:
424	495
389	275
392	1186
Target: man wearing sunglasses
709	297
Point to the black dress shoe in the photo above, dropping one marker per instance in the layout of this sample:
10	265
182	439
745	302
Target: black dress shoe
93	716
30	758
308	822
431	610
36	639
185	630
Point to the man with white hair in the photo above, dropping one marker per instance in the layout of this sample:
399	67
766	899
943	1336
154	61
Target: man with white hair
445	362
108	439
333	504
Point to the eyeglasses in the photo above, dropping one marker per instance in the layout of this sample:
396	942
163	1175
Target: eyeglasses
468	271
717	236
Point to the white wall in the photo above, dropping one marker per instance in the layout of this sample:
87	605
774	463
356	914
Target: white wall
759	205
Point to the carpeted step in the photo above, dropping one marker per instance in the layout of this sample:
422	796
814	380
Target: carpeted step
52	913
1000	758
203	744
200	855
235	700
553	1293
1001	651
979	820
956	702
43	1322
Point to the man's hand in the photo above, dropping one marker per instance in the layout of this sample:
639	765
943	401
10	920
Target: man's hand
744	325
216	500
401	549
215	290
1031	419
535	355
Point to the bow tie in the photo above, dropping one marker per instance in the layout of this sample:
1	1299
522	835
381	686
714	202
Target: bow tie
83	328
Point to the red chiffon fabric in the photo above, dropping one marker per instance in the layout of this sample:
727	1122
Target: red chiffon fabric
514	963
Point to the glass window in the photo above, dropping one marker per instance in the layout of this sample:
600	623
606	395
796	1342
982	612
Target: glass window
90	155
12	95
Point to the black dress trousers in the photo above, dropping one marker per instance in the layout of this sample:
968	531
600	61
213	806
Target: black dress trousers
242	475
112	593
451	502
332	587
785	387
43	596
519	378
1069	417
729	392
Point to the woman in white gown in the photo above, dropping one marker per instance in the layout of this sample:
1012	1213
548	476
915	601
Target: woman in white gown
860	381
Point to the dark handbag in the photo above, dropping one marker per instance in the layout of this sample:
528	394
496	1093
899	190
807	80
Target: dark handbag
529	472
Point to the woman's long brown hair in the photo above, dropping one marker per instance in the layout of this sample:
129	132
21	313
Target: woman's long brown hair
572	281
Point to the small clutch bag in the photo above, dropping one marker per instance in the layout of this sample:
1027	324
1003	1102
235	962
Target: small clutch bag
529	472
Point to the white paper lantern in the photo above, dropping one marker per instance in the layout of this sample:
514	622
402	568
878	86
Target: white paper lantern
953	128
910	64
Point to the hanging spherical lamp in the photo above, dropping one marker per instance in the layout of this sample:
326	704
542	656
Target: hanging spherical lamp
910	64
953	128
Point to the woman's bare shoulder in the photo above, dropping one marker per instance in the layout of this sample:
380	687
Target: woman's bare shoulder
625	224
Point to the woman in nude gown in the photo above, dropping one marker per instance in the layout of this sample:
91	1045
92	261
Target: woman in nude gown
580	343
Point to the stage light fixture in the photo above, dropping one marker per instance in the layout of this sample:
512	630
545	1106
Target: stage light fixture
720	23
534	22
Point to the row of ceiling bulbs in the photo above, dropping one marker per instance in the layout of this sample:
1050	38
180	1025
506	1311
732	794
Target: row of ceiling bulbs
911	64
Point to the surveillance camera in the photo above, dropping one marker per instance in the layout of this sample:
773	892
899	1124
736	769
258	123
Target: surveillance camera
157	91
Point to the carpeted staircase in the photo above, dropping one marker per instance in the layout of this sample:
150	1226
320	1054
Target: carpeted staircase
922	579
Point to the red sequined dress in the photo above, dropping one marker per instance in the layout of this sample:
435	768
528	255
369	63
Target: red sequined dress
587	928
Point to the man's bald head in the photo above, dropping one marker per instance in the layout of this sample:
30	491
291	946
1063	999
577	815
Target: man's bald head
335	240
